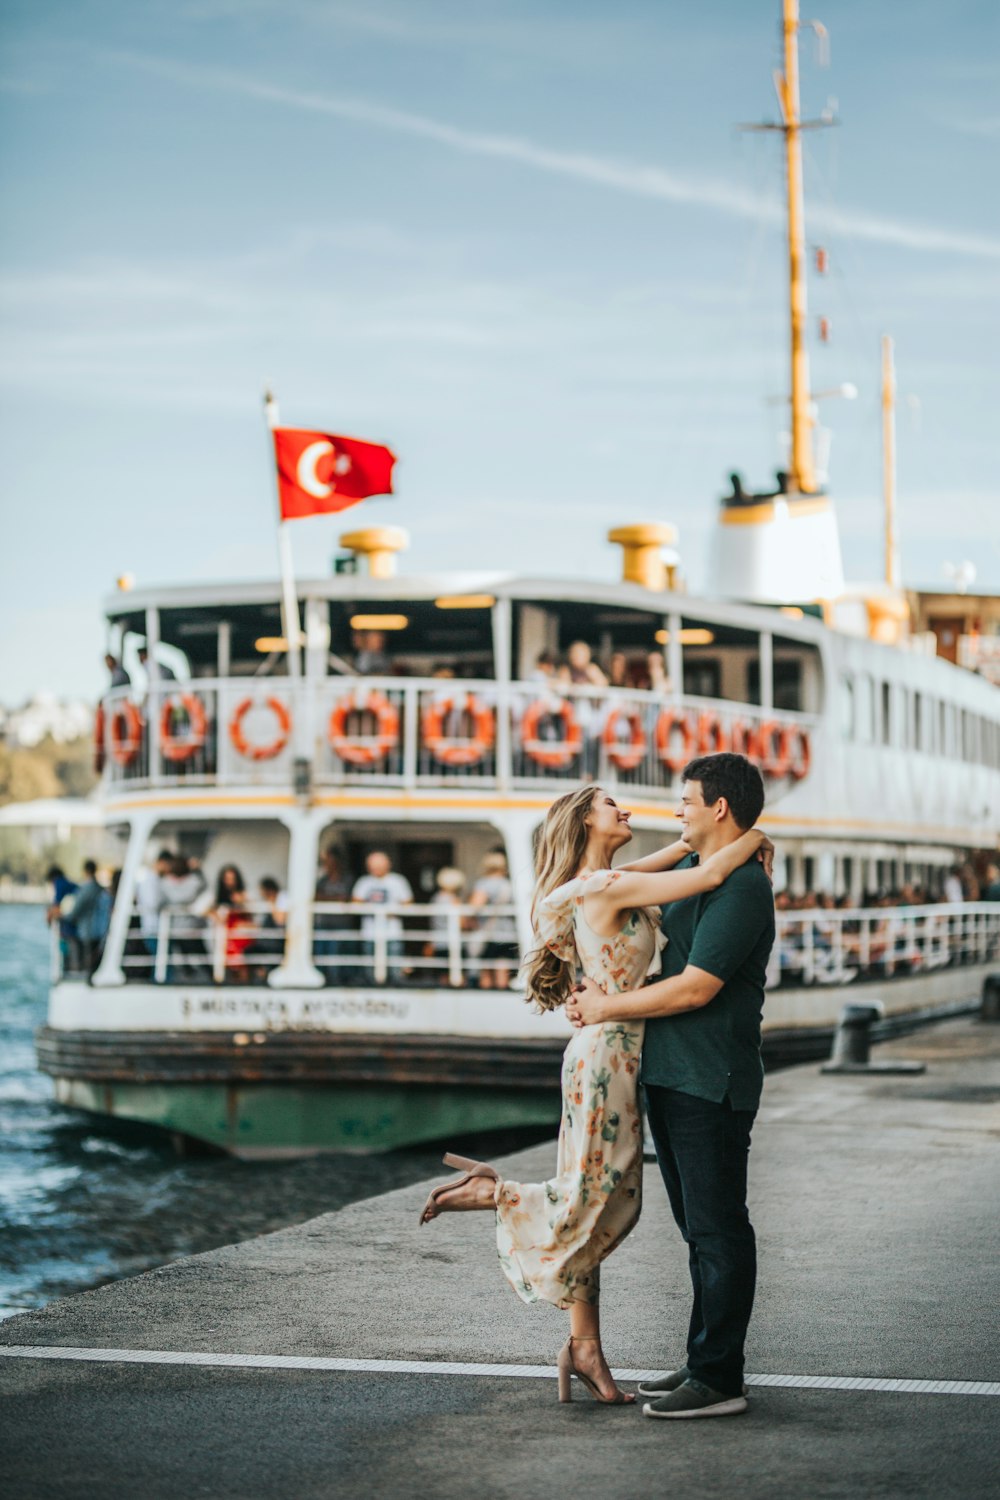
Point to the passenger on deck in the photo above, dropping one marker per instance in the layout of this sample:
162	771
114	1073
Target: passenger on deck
659	682
91	916
268	947
450	885
59	913
580	669
371	658
497	931
618	670
119	676
157	671
182	885
229	911
150	899
381	886
332	885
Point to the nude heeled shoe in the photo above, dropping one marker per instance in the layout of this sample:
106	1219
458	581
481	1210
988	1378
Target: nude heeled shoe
470	1169
566	1369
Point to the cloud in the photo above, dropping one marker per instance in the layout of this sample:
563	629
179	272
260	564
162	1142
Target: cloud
634	178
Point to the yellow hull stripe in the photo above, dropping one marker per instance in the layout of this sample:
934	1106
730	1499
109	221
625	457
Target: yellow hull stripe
407	802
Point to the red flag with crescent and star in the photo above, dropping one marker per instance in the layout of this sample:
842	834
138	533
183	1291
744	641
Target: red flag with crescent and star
319	473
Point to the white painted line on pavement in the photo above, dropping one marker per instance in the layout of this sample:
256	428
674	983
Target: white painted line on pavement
446	1367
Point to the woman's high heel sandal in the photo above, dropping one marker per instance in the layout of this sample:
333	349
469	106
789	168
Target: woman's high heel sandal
470	1169
567	1369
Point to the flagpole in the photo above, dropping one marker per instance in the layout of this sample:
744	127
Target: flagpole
290	624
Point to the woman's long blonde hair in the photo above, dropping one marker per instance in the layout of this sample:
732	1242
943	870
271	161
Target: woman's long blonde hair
558	857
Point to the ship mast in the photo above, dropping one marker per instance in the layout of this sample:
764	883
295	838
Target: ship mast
889	463
803	466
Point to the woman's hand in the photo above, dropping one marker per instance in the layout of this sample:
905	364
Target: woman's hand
584	1005
766	856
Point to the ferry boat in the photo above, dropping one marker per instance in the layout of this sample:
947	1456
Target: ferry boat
428	726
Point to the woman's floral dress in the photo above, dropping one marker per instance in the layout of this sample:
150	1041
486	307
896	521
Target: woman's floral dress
552	1236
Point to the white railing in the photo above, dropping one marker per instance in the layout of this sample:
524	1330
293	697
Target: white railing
419	941
432	731
353	943
447	945
239	945
819	946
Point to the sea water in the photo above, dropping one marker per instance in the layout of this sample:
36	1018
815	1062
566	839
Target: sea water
85	1200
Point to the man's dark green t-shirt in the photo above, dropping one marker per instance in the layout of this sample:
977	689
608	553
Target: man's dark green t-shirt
714	1052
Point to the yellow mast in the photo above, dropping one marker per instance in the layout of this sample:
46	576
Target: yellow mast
889	463
803	468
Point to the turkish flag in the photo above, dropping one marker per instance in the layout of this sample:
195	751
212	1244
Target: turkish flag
319	473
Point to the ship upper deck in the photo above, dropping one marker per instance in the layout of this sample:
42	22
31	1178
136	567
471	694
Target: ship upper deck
483	680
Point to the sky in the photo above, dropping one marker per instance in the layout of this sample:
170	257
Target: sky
523	242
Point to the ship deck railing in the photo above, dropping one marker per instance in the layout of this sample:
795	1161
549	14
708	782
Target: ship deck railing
447	946
429	732
821	947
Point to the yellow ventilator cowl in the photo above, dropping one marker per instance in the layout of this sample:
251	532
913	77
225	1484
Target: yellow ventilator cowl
378	544
642	545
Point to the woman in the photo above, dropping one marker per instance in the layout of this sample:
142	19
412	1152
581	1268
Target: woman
450	885
229	911
496	939
552	1236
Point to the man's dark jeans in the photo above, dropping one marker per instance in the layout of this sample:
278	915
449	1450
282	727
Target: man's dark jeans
702	1148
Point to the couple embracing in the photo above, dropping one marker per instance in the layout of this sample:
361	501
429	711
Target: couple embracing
673	950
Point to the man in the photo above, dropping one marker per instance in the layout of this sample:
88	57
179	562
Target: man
91	916
118	674
156	669
332	886
150	899
702	1075
383	887
60	916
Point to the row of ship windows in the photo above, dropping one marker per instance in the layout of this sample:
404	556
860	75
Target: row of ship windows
884	713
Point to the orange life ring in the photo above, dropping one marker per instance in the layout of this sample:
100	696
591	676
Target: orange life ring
712	737
555	754
669	720
99	732
125	729
274	747
743	740
774	749
176	748
368	750
625	756
799	765
459	752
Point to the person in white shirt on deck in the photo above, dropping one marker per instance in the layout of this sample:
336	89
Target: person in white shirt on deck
150	899
382	886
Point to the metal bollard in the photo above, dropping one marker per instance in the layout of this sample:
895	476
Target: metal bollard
852	1045
989	1009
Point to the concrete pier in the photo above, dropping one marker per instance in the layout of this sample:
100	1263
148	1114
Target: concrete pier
301	1364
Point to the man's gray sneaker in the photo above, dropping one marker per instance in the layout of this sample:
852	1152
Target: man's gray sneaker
692	1399
664	1383
669	1382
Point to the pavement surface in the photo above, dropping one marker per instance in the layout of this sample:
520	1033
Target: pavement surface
875	1201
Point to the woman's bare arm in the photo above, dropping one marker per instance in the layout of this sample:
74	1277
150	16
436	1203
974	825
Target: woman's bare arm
662	859
636	888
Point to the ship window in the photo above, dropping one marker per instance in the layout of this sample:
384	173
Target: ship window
887	725
847	708
702	678
865	708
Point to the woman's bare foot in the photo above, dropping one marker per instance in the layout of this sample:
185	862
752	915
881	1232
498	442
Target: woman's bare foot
465	1195
588	1359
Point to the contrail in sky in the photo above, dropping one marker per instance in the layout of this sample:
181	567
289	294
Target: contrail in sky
621	176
